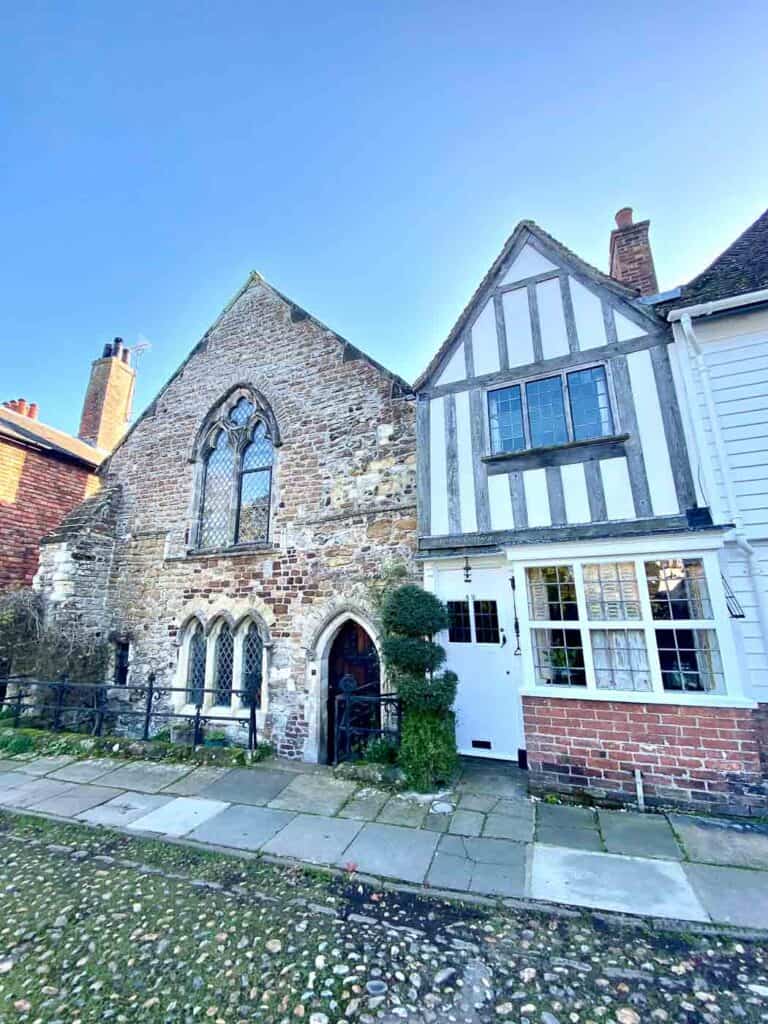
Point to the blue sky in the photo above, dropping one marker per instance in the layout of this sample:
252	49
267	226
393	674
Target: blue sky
368	158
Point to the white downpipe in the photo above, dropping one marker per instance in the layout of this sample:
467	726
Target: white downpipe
740	537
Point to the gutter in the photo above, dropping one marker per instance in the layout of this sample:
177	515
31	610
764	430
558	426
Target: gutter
718	305
684	316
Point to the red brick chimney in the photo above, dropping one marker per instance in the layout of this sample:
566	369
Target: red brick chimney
107	405
631	256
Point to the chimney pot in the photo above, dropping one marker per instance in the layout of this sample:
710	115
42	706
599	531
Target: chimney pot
21	407
32	410
631	259
117	347
107	353
624	217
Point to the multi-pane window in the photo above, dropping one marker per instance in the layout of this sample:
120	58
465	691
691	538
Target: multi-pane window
224	668
253	657
237	479
224	664
568	406
196	666
618	636
475	621
459	625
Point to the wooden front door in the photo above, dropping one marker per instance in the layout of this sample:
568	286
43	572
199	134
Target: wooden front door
352	657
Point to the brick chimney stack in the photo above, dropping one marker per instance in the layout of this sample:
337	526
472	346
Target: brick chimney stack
107	405
631	256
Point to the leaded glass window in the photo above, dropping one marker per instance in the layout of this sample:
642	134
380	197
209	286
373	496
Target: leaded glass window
253	660
196	666
459	626
506	412
237	479
590	408
225	658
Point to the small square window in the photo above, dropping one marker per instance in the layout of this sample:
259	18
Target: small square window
690	660
590	406
459	628
678	589
505	408
552	594
486	622
546	412
611	591
559	657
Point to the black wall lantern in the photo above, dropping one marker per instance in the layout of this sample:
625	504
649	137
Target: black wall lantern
467	570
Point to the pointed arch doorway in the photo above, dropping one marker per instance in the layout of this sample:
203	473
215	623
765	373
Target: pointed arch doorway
353	666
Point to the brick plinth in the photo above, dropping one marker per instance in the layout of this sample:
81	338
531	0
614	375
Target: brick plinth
695	757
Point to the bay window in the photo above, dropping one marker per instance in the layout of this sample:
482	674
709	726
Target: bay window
552	410
630	625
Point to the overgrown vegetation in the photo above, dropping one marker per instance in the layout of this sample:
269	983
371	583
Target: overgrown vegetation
410	618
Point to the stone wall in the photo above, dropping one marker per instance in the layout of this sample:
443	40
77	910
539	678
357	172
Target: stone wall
343	507
700	758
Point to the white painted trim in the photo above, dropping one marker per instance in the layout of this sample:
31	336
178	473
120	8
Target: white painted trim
627	697
609	549
707	308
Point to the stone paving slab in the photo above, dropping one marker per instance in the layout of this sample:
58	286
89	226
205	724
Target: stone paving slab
638	835
44	765
492	783
401	811
10	780
565	816
488	866
393	851
197	780
501	826
313	838
123	809
467	823
144	776
477	802
712	841
736	896
11	764
242	827
178	816
86	771
314	794
518	808
574	838
364	805
77	799
34	791
255	786
607	881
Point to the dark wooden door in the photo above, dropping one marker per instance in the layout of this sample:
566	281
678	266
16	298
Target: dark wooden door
352	657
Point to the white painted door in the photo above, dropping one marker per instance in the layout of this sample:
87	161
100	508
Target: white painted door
480	647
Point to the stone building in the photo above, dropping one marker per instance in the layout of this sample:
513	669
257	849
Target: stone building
243	519
45	472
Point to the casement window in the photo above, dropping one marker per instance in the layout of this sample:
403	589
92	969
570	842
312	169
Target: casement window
223	666
473	621
237	457
629	625
567	406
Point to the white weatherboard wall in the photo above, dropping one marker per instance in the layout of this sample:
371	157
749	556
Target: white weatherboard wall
466	472
652	437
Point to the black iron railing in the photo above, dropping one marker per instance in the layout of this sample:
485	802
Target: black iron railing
361	719
50	701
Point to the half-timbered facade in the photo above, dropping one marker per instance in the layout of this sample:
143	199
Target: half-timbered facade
559	518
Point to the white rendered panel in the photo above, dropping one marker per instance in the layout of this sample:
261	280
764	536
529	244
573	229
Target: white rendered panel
652	437
485	341
527	263
537	497
554	336
517	322
500	502
617	489
626	328
455	368
588	314
437	468
466	472
575	492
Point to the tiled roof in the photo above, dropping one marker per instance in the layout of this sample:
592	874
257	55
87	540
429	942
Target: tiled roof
31	432
742	268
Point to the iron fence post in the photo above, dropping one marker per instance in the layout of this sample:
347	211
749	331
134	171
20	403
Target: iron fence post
197	737
252	725
148	705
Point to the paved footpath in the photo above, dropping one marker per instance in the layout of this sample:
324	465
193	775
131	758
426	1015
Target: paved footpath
487	837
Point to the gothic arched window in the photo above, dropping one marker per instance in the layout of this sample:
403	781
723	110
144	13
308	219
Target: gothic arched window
196	666
224	664
253	666
237	455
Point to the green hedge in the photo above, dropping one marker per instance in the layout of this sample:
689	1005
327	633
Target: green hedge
428	749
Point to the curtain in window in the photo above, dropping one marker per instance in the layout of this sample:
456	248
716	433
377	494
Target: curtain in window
620	659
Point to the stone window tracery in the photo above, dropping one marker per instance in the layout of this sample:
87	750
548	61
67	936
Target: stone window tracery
224	665
236	459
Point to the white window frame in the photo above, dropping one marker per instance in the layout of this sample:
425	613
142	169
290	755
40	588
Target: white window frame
577	555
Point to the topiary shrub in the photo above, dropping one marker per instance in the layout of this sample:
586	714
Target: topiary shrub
411	617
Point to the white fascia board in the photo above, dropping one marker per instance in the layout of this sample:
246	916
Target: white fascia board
703	701
718	305
612	547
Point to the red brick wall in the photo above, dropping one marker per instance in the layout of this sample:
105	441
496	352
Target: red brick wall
36	492
698	757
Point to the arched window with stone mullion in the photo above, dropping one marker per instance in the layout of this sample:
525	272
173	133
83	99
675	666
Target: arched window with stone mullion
223	666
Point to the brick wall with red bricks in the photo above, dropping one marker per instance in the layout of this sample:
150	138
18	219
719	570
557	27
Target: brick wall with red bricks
696	757
37	490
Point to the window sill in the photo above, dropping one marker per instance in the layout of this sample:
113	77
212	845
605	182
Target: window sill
232	551
715	700
557	454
